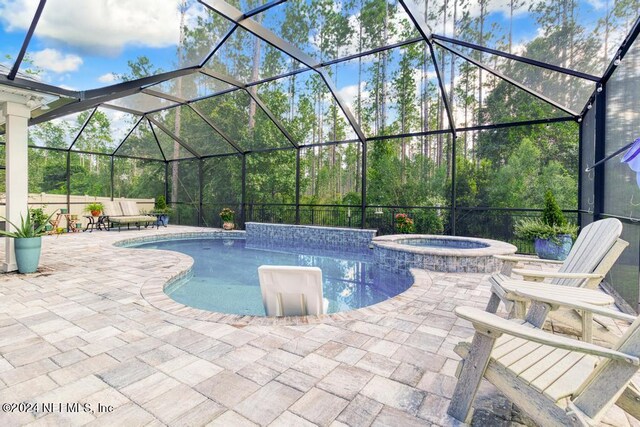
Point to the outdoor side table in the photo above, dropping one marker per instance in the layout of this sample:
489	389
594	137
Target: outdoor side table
95	223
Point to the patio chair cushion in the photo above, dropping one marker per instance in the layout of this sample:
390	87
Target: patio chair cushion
129	208
111	209
132	219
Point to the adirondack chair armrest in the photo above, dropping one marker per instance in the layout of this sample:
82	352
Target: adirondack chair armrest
492	325
536	275
516	258
553	300
506	290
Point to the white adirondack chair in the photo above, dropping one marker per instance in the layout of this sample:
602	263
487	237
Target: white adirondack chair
595	251
555	380
519	292
593	242
291	291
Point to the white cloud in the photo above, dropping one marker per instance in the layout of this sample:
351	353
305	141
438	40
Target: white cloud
107	78
350	94
597	4
56	61
103	27
17	14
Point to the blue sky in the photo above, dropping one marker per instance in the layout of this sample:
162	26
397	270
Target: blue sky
79	47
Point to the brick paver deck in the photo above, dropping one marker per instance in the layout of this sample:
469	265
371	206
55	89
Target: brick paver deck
80	331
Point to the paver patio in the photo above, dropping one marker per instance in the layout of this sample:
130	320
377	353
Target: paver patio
80	330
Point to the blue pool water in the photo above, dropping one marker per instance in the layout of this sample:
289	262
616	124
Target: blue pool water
225	275
442	243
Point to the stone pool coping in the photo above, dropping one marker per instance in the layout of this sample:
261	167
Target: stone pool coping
493	247
152	290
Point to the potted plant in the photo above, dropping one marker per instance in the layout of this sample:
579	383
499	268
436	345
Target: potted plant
95	208
552	234
162	211
38	217
227	216
404	224
27	242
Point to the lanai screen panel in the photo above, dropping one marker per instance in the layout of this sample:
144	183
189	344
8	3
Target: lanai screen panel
184	191
331	175
579	35
197	136
587	153
91	47
90	174
271	177
622	127
506	174
3	182
141	143
247	58
621	188
191	87
271	186
138	178
47	174
142	103
307	109
331	30
512	167
171	148
392	92
221	187
408	173
47	171
105	130
479	97
57	133
12	19
412	171
243	121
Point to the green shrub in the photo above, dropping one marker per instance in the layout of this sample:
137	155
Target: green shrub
161	202
38	217
160	206
552	214
428	221
531	229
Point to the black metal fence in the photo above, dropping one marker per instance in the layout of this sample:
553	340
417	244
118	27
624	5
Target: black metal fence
490	223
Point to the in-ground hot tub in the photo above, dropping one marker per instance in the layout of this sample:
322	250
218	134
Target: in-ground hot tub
400	252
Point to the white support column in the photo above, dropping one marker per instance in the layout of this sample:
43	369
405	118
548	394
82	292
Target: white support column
17	172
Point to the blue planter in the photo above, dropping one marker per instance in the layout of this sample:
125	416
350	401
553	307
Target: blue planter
557	249
163	220
28	253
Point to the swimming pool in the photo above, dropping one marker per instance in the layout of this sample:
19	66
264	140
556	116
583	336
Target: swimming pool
224	277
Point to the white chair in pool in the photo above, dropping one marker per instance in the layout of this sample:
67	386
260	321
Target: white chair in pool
291	291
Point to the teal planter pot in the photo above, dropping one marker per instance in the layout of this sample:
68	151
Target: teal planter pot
28	254
557	249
